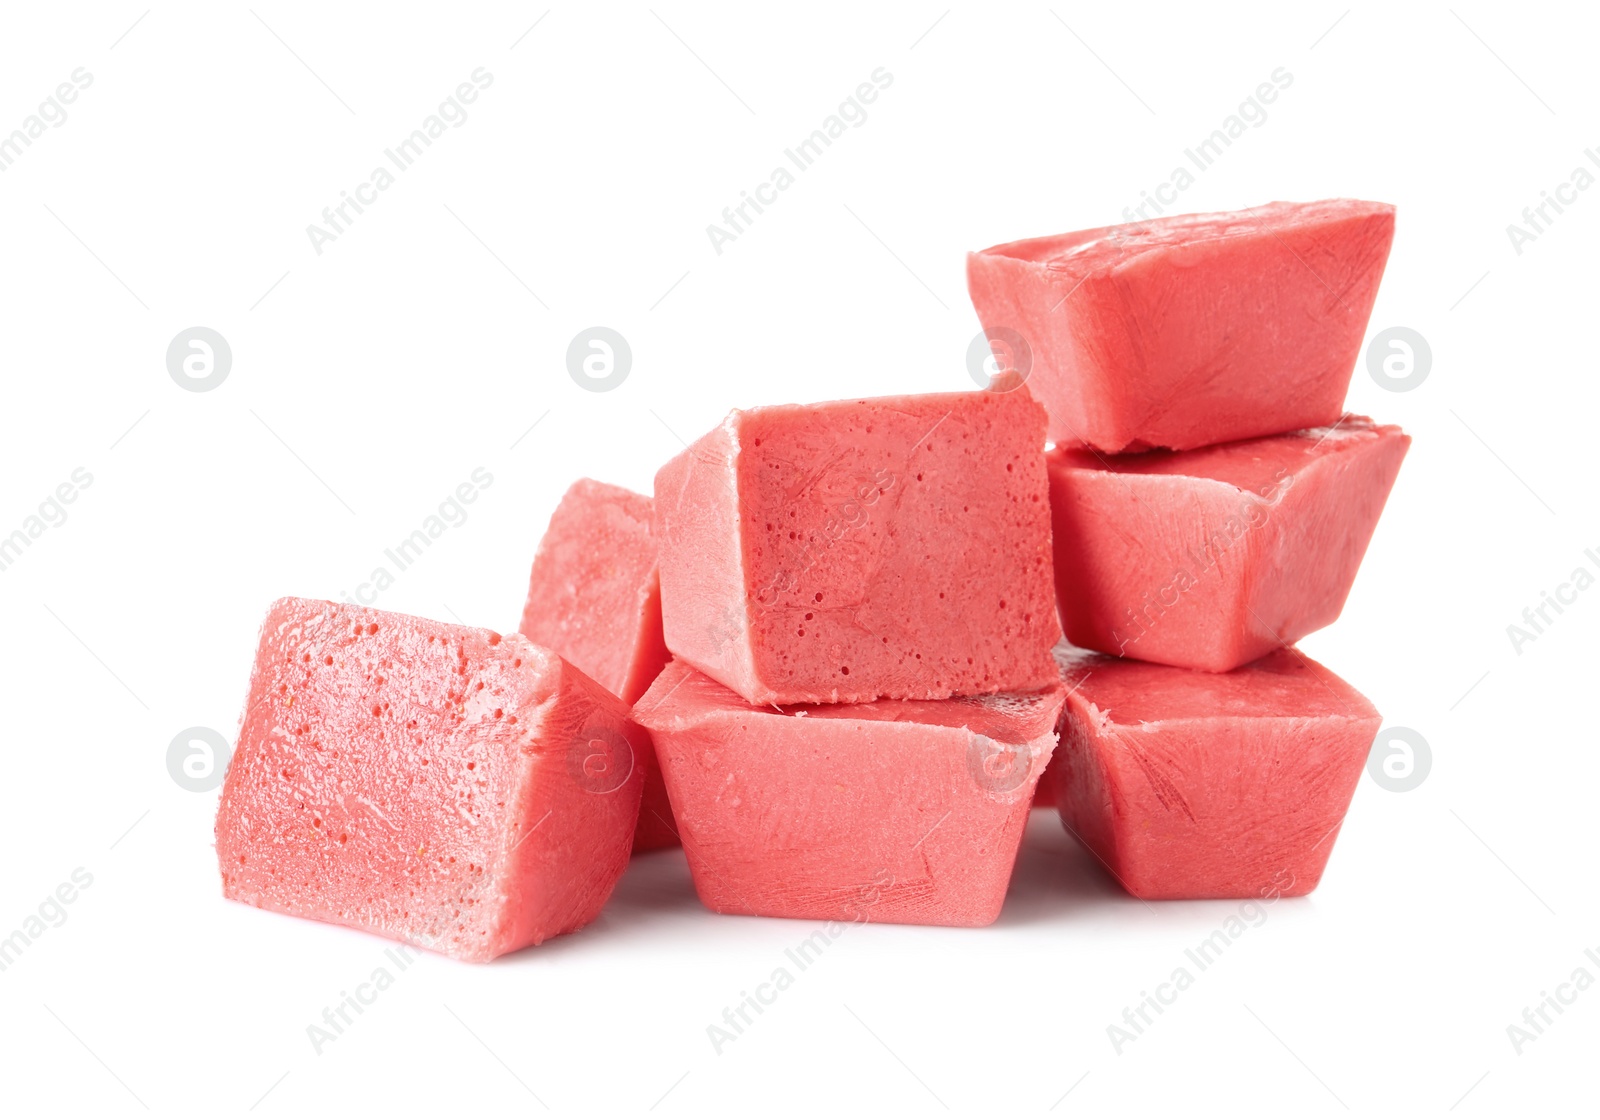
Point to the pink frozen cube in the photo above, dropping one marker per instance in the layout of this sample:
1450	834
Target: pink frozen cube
1189	784
435	784
1191	329
1209	558
839	553
895	811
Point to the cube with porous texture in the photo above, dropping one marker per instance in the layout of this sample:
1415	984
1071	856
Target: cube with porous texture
905	811
1189	784
838	553
1207	559
1191	329
435	784
594	598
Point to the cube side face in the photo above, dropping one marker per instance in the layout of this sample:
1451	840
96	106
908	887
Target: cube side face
650	654
825	826
697	527
1153	567
1309	564
1066	379
1170	337
897	547
593	592
1243	813
1222	321
1235	805
377	762
839	819
574	823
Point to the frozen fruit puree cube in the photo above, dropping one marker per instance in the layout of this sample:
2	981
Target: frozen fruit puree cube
593	596
435	784
894	811
1190	329
1209	558
595	599
1189	784
842	552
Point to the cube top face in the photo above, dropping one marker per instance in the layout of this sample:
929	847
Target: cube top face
593	491
1122	694
1257	466
895	547
895	811
1086	252
1187	331
683	699
387	766
593	595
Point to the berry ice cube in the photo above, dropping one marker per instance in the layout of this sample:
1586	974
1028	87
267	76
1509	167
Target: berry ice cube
1191	329
905	811
835	553
1209	558
594	598
435	784
1189	784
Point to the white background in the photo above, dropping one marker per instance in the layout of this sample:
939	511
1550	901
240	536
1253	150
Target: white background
369	381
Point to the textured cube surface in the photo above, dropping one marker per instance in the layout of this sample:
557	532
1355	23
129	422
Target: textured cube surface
896	547
1194	329
1189	784
431	783
1207	559
894	811
595	599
